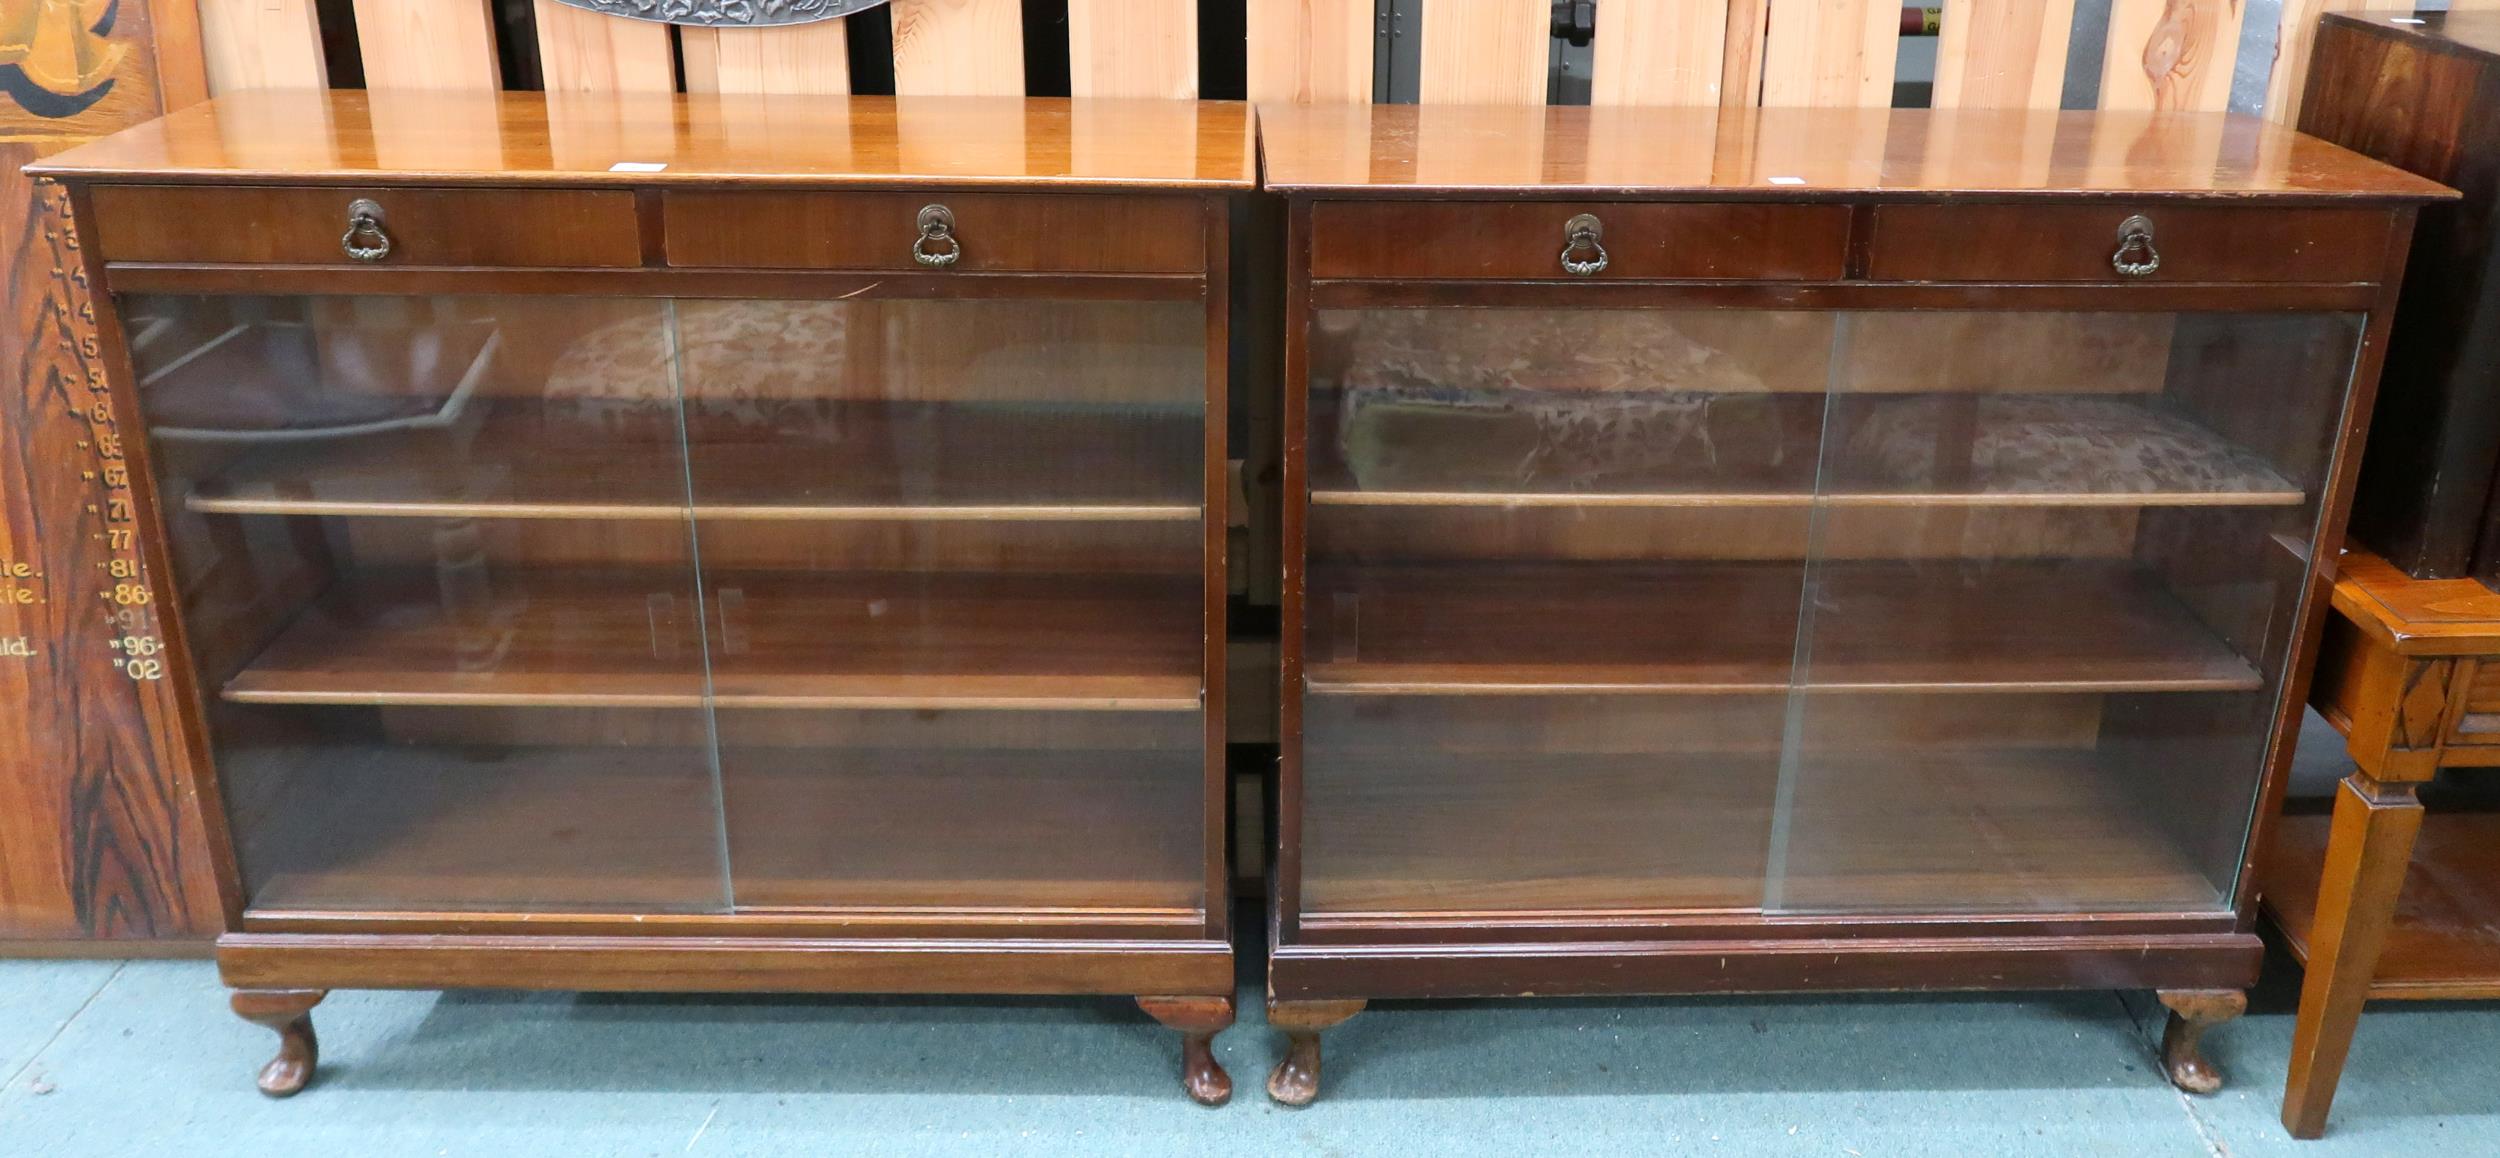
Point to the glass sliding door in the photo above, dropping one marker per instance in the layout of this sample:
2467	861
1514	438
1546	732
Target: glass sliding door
1800	611
1551	603
952	563
2055	566
435	565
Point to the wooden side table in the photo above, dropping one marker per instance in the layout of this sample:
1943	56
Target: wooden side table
2383	900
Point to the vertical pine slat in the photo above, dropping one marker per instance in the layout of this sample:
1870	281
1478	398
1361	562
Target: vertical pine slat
580	51
790	60
1133	48
430	46
1740	73
427	44
1659	52
262	44
2299	36
1831	53
2173	55
1486	52
958	47
181	57
2003	54
1310	50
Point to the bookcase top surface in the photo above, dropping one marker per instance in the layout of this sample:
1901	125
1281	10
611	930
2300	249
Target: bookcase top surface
1408	150
281	136
2474	34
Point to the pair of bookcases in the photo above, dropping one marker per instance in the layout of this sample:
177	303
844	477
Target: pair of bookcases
716	544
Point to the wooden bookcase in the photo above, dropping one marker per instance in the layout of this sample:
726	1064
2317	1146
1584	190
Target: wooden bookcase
2419	93
1802	549
688	542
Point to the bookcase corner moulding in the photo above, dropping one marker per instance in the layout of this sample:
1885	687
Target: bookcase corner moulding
767	568
1712	568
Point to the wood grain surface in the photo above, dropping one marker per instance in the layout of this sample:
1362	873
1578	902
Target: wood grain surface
2003	153
100	838
1999	54
431	138
1310	50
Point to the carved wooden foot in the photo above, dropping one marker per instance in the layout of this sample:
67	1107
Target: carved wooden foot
288	1012
1295	1081
1199	1019
2192	1012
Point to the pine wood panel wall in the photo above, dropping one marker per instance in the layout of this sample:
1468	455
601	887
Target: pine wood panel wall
1485	52
1659	52
2003	54
2160	54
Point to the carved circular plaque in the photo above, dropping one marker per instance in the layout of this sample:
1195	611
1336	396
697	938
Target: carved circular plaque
727	13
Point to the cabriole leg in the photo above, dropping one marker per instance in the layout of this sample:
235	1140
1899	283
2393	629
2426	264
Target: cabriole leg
1198	1019
288	1013
2192	1012
1295	1081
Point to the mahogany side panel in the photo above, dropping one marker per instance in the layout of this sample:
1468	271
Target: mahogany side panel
2430	481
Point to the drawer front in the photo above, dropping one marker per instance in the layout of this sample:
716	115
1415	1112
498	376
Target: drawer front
426	227
1408	239
2479	724
991	232
2079	243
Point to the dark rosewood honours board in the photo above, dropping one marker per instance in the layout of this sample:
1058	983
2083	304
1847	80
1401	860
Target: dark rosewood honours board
1802	550
689	544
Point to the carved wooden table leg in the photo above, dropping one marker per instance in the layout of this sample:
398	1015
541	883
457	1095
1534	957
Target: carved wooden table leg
2367	852
289	1013
1199	1019
2192	1012
1295	1081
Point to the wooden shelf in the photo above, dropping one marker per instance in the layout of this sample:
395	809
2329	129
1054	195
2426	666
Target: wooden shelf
823	461
778	639
1448	628
2445	944
2180	464
396	827
1413	829
2251	498
966	827
2012	830
420	829
1390	830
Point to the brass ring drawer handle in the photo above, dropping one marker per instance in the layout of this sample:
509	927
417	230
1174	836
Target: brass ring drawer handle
365	239
2136	256
1582	233
937	228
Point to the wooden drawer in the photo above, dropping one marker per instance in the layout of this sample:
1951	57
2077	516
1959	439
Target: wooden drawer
2078	243
2479	724
999	232
1524	239
427	227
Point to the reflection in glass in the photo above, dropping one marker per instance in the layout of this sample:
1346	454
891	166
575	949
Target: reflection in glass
952	557
1896	612
437	576
538	604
